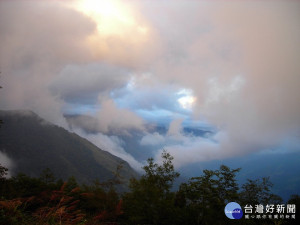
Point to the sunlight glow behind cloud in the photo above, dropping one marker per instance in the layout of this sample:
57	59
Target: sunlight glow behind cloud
117	24
111	16
186	99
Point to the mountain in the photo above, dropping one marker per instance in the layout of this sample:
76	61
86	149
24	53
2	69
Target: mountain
34	144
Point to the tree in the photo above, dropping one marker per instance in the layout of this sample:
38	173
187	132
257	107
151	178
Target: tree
3	172
3	180
258	192
207	194
47	176
150	200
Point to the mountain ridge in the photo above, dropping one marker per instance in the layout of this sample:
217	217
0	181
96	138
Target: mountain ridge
34	144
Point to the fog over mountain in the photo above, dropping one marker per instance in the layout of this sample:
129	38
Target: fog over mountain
30	144
205	80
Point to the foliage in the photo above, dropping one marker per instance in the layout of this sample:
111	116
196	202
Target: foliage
203	196
45	200
3	172
150	200
258	192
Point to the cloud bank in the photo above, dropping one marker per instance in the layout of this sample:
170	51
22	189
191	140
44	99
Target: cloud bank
239	61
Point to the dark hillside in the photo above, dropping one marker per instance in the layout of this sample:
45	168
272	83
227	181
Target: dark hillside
33	144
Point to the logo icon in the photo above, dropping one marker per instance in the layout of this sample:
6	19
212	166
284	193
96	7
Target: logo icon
233	210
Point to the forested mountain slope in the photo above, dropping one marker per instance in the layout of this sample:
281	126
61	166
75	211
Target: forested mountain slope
34	144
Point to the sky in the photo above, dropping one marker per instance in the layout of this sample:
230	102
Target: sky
126	67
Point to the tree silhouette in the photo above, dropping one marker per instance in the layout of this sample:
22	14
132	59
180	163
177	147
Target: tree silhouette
150	200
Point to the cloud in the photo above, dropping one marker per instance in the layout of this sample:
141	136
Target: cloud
109	119
152	139
112	118
84	83
122	34
263	110
113	145
239	59
175	128
184	147
37	40
148	97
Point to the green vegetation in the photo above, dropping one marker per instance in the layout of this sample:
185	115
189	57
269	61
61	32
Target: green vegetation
150	199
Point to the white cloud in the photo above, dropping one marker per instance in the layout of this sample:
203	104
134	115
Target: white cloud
113	145
114	119
239	59
152	139
37	40
83	83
